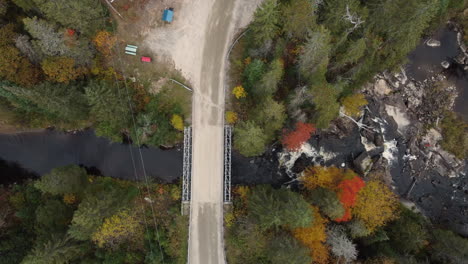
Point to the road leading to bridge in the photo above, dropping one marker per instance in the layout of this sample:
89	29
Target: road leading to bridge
206	220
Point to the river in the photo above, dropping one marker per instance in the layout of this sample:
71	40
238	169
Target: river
29	155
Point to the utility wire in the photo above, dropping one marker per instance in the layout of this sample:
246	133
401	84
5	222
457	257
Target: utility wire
130	105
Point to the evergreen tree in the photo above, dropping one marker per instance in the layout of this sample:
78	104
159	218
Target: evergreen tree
56	251
327	201
87	16
298	17
249	139
400	23
63	180
285	249
326	104
102	199
408	234
271	208
269	82
109	108
52	219
270	116
448	247
265	24
46	36
315	54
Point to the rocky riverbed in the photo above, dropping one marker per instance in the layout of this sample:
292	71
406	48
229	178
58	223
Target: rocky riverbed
393	139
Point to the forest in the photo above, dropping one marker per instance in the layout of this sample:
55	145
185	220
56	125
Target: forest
303	62
62	67
333	216
70	216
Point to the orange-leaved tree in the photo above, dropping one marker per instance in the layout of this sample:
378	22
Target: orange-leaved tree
348	190
376	205
314	237
293	140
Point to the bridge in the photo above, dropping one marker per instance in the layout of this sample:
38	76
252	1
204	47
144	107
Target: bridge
207	157
187	168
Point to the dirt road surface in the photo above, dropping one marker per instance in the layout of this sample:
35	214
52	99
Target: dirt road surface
197	43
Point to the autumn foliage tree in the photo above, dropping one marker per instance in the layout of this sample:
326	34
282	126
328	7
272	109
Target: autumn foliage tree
61	69
177	122
376	205
121	227
352	104
348	191
325	177
314	236
104	42
293	140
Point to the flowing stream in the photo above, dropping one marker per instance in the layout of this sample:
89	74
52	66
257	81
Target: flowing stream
32	154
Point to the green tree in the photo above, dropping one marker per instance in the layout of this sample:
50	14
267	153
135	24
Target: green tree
269	82
26	5
298	17
285	249
271	208
57	251
108	109
448	247
249	139
315	53
408	234
354	52
46	36
51	40
265	24
326	104
401	24
270	116
88	16
102	199
67	179
253	74
454	135
52	219
327	201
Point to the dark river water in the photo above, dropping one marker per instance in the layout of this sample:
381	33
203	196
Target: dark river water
426	61
28	155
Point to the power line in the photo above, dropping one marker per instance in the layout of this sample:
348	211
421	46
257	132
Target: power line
140	152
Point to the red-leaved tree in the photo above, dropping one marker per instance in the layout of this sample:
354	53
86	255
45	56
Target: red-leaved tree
293	140
348	190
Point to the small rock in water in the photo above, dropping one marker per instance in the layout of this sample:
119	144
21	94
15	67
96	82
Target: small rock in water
433	43
445	64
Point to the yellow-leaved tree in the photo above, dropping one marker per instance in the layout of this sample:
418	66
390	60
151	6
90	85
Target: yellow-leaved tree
231	117
325	177
376	205
239	92
314	237
352	104
117	229
104	42
62	69
177	122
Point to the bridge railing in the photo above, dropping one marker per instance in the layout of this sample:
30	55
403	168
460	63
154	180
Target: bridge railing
187	165
227	163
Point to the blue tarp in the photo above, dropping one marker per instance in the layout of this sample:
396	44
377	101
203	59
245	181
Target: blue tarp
167	15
